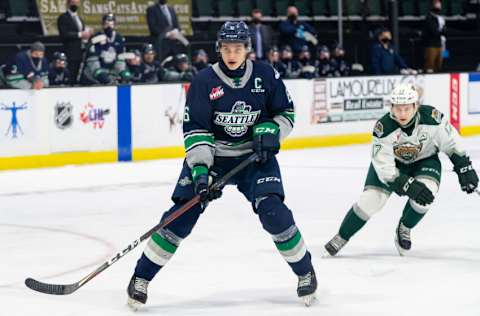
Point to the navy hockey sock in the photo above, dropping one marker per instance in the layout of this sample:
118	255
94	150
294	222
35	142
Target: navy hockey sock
277	219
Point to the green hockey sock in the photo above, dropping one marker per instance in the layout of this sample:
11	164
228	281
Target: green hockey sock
351	225
410	217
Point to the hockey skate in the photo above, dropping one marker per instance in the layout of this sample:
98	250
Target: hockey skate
137	293
334	245
402	239
307	285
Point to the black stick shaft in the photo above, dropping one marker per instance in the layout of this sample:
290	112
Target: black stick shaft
58	289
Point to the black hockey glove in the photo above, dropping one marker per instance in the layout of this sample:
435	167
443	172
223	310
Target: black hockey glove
201	181
266	140
416	190
467	176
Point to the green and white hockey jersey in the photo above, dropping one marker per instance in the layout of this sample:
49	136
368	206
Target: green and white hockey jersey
429	133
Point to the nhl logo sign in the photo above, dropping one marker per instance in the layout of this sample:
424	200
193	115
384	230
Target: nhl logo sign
63	115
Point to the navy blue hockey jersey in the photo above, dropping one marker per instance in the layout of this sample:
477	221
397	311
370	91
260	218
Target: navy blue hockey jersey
106	53
27	67
220	112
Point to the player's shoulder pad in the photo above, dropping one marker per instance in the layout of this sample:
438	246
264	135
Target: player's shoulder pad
430	115
385	126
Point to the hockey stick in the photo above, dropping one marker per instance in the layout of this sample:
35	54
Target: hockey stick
64	289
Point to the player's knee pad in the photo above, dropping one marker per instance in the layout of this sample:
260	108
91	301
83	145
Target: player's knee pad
371	201
274	215
433	186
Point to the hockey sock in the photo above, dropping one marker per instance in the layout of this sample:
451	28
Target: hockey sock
278	220
351	224
163	244
410	217
160	248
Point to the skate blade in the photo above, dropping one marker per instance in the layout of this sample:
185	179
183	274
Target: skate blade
325	254
134	305
308	300
402	252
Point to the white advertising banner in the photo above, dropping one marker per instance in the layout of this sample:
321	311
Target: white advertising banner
474	93
22	128
157	114
82	119
338	106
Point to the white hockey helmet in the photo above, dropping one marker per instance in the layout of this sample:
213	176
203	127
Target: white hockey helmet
404	93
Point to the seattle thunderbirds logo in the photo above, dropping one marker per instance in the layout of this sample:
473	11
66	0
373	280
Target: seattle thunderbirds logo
14	126
238	120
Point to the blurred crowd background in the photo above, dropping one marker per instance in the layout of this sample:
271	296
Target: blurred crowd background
300	39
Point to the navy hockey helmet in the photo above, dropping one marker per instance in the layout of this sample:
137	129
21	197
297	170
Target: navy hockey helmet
109	17
180	58
148	48
59	56
234	32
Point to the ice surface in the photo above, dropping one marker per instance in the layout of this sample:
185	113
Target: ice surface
59	224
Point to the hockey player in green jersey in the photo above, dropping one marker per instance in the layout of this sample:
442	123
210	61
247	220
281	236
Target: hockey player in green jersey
405	160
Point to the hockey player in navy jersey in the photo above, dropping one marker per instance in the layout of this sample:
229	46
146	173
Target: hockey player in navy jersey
233	108
105	63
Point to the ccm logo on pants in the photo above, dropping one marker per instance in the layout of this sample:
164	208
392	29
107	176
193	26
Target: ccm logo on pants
268	179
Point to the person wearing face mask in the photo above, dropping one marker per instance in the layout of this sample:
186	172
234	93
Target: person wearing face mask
385	61
434	38
105	61
74	34
324	62
150	67
200	59
261	35
58	74
164	29
288	68
31	68
296	33
305	64
341	66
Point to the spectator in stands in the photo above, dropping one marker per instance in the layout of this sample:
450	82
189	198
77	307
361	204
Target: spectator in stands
181	71
105	63
295	33
11	78
434	38
341	67
150	66
74	36
134	62
30	69
143	66
164	29
288	69
273	58
305	63
262	35
385	61
200	59
58	74
252	56
324	64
